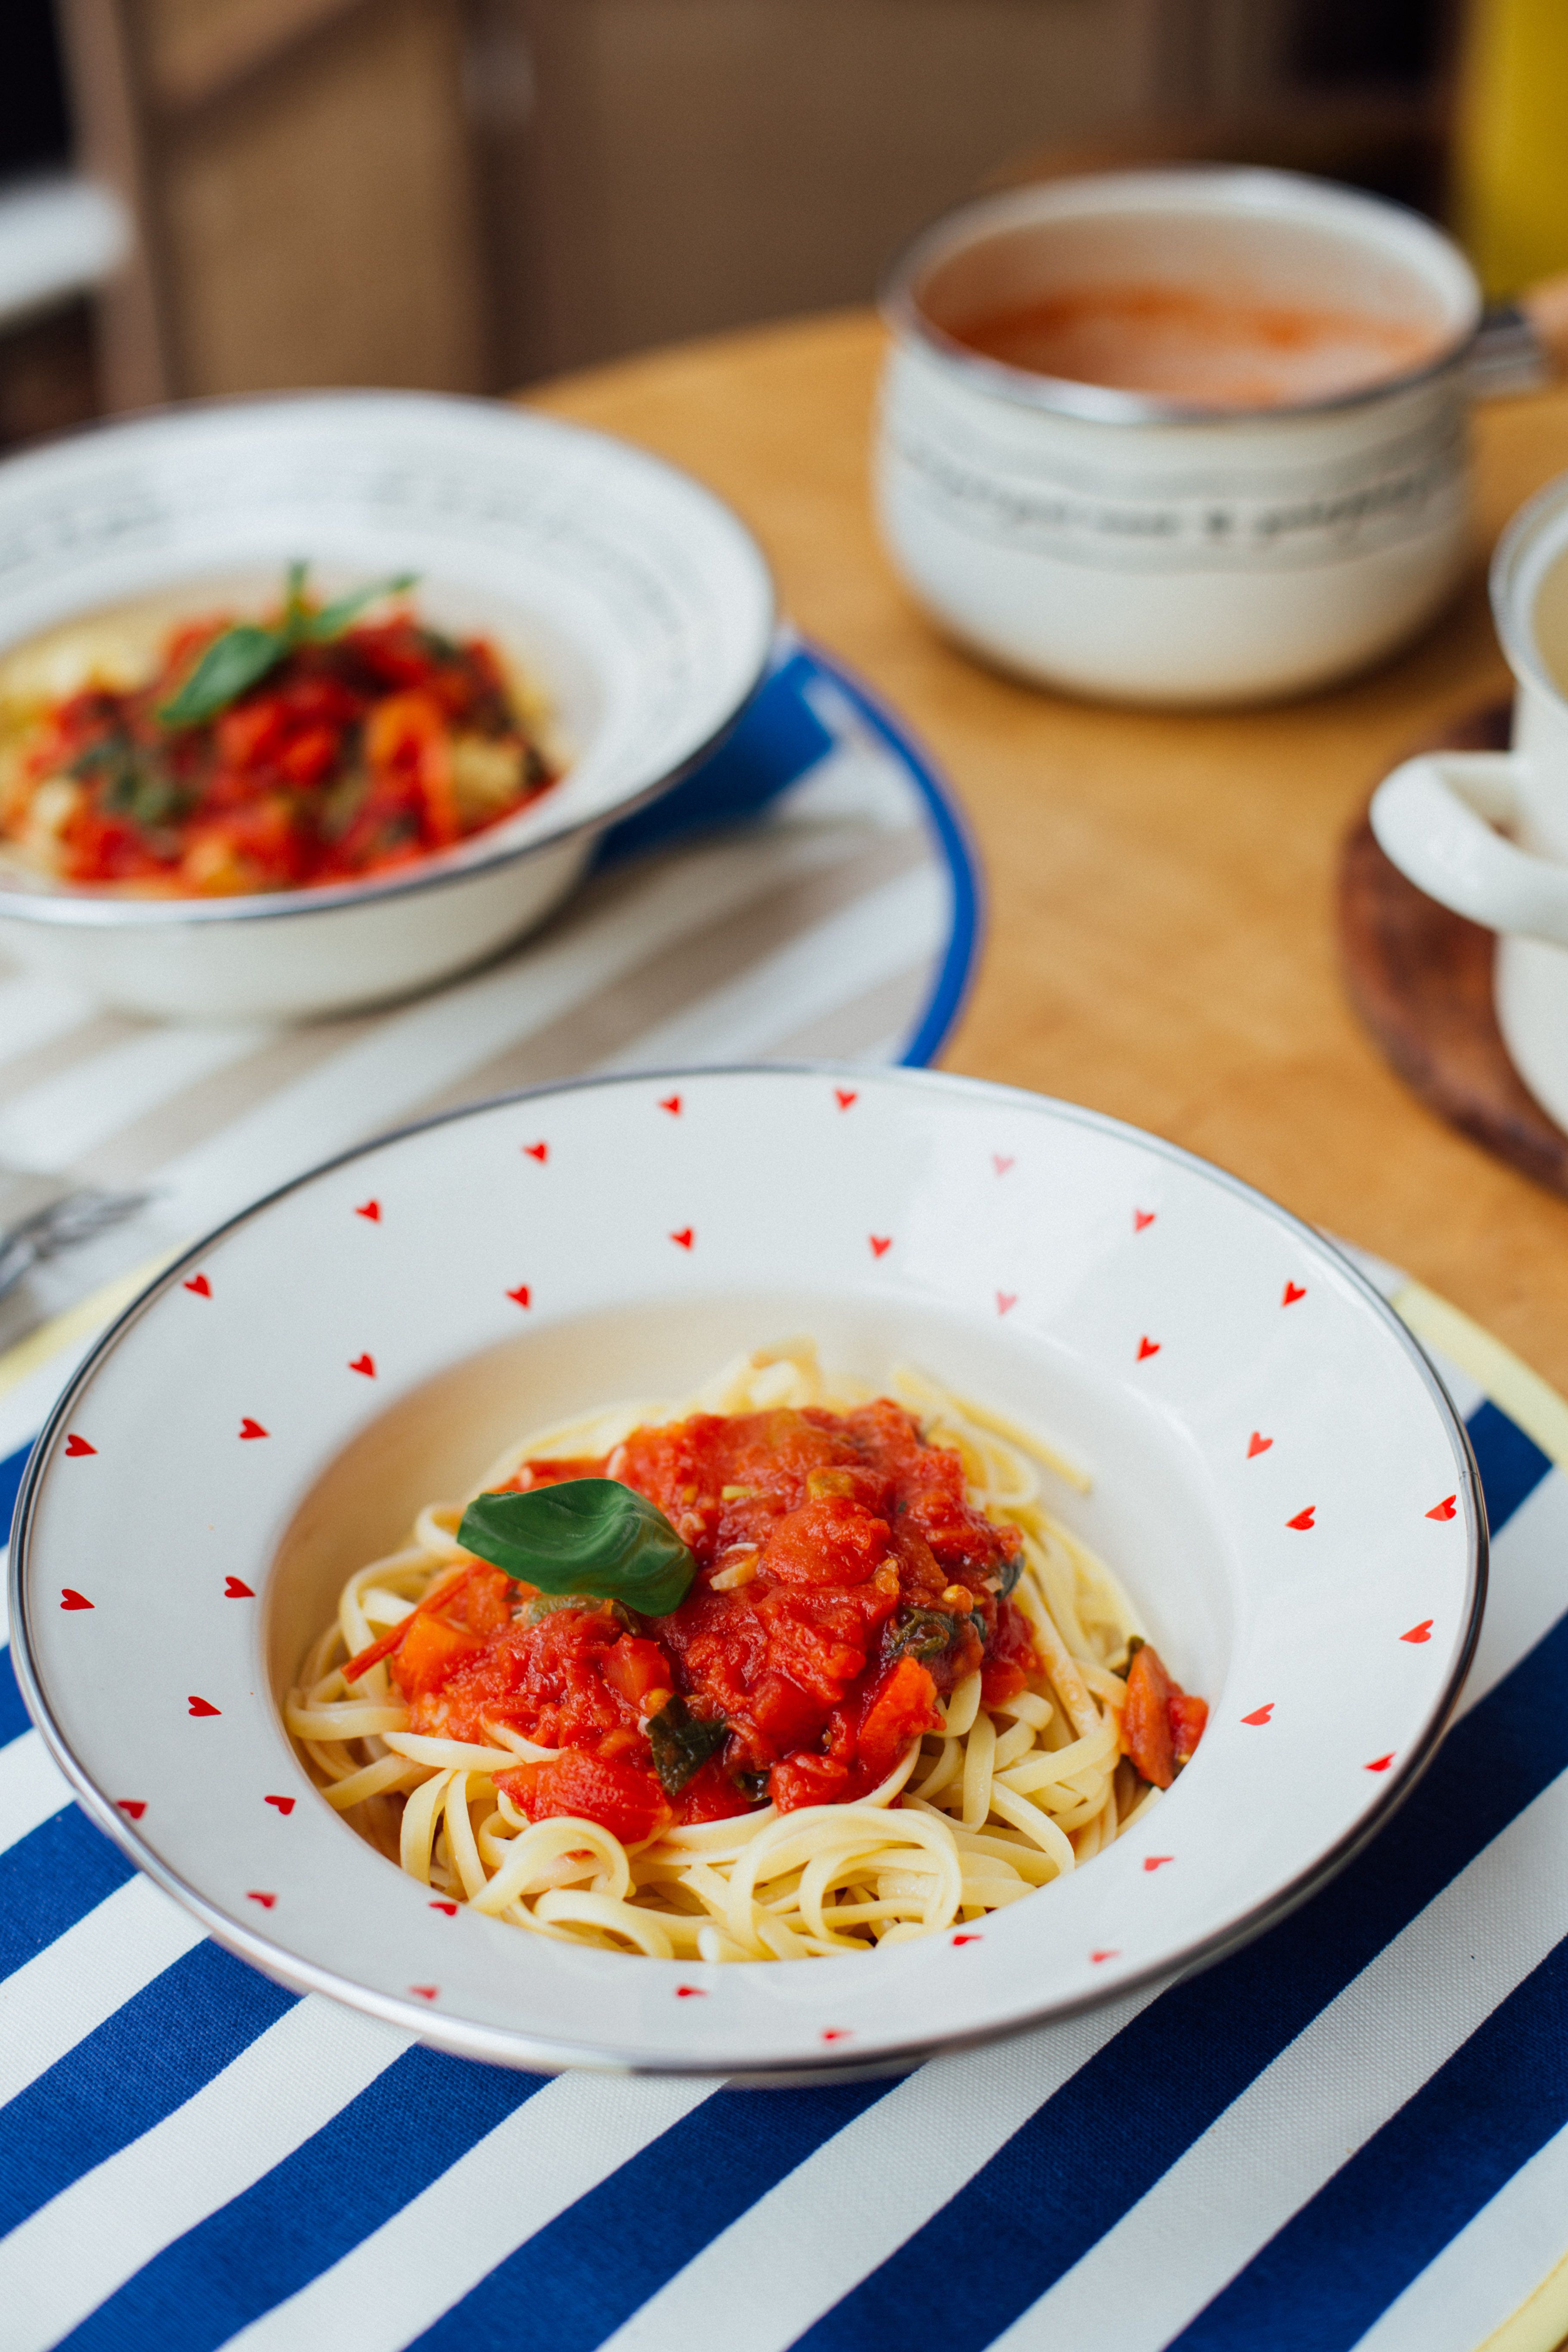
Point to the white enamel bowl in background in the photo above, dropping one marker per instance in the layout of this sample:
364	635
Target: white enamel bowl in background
1278	1477
1125	546
636	598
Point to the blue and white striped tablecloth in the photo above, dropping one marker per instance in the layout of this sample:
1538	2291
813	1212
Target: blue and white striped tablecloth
1355	2132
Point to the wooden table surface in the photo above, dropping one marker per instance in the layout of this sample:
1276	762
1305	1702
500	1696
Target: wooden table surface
1160	938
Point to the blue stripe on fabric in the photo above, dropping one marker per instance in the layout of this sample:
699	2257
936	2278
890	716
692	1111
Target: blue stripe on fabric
1091	2151
1512	1464
11	1471
574	2282
776	739
1318	2284
155	2052
13	1714
359	2171
50	1879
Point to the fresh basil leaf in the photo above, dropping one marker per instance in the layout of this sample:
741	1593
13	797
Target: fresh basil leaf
682	1743
586	1534
334	619
242	655
232	662
753	1785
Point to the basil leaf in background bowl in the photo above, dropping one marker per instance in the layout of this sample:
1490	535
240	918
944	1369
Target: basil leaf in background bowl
587	1536
241	657
234	661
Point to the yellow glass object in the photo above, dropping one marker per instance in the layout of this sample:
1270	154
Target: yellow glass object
1512	154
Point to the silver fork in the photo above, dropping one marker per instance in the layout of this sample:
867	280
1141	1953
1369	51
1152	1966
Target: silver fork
42	1216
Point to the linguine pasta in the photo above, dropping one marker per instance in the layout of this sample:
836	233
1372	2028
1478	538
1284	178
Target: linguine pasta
996	1800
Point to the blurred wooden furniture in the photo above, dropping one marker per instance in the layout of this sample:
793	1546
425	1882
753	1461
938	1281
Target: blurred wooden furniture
301	174
1393	143
1162	939
465	194
693	164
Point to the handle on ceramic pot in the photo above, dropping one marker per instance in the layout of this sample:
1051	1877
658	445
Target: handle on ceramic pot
1523	344
1434	817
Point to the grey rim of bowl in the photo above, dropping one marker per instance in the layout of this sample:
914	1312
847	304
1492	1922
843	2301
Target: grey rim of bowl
77	909
1516	632
1103	404
501	2046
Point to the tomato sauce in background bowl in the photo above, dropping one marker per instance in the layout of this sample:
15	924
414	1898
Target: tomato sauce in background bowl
1208	349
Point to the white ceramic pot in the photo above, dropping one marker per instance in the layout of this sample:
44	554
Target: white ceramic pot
641	605
1128	547
1436	818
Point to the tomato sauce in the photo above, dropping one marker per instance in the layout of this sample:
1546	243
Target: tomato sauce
842	1583
1209	350
350	757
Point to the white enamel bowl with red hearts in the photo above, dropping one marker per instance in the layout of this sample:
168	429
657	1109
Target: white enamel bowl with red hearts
638	603
1278	1479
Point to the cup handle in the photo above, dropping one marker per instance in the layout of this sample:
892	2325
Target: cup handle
1434	817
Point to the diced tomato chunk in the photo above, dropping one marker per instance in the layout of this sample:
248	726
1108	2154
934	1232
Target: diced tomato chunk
830	1540
807	1779
313	754
432	1649
711	1795
901	1706
1188	1718
486	1601
635	1667
1161	1724
621	1797
1010	1659
250	733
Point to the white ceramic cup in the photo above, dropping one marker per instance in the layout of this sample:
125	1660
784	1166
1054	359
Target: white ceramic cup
1133	548
1437	816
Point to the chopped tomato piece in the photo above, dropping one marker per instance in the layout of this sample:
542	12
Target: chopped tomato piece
1189	1718
830	1540
901	1706
313	754
635	1668
1010	1659
407	733
487	1602
444	1589
1000	1680
1145	1719
1161	1724
252	733
807	1780
621	1797
711	1795
432	1649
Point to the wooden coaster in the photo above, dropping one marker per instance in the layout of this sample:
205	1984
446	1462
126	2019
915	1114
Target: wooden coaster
1421	979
